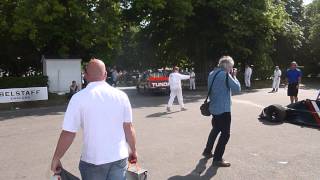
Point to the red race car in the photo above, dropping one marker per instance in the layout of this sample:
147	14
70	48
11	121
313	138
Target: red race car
154	82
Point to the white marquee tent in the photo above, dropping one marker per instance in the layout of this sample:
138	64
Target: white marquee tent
61	72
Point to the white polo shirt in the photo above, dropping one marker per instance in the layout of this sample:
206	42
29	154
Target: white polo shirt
100	110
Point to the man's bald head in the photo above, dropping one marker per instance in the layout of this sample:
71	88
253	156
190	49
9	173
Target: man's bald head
96	71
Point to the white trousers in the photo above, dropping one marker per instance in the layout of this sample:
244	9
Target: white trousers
173	94
192	84
276	83
247	82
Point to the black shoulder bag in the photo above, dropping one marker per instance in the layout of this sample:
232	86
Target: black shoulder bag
204	108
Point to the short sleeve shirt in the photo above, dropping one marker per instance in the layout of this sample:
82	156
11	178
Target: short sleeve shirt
293	75
100	111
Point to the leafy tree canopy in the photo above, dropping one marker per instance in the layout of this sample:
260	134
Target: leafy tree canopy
59	29
313	34
201	31
140	34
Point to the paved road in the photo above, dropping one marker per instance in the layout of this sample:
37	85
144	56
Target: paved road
170	145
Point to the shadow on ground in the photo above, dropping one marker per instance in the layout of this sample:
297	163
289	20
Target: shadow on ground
197	173
157	99
55	110
266	122
137	101
160	114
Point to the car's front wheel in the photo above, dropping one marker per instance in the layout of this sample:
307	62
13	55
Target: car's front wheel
276	113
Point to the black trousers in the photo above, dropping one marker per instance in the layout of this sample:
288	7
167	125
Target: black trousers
293	90
220	124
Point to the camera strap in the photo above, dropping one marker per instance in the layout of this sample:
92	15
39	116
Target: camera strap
214	77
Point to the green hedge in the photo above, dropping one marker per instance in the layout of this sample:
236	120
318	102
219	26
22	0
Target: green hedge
22	82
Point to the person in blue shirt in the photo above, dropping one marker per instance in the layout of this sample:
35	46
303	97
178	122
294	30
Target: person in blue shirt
224	83
293	76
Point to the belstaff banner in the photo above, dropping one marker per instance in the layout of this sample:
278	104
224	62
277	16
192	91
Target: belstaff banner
23	94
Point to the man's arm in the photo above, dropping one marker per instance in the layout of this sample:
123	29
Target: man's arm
299	79
299	82
233	82
64	142
184	77
131	140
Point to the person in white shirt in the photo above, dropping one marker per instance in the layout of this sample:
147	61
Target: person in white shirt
114	75
175	88
192	80
105	116
276	79
247	76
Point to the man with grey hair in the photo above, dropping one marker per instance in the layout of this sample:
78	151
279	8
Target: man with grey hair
224	83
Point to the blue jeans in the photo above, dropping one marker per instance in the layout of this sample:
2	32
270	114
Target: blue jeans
109	171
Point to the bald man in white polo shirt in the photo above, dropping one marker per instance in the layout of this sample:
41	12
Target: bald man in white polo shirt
105	116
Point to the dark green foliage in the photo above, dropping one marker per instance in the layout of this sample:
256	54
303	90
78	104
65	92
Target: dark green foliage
141	34
313	36
290	41
57	29
196	33
22	82
199	32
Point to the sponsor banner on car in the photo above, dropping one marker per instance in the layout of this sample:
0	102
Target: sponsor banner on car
159	84
23	94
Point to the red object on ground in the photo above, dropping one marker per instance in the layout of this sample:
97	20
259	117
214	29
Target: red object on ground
312	107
